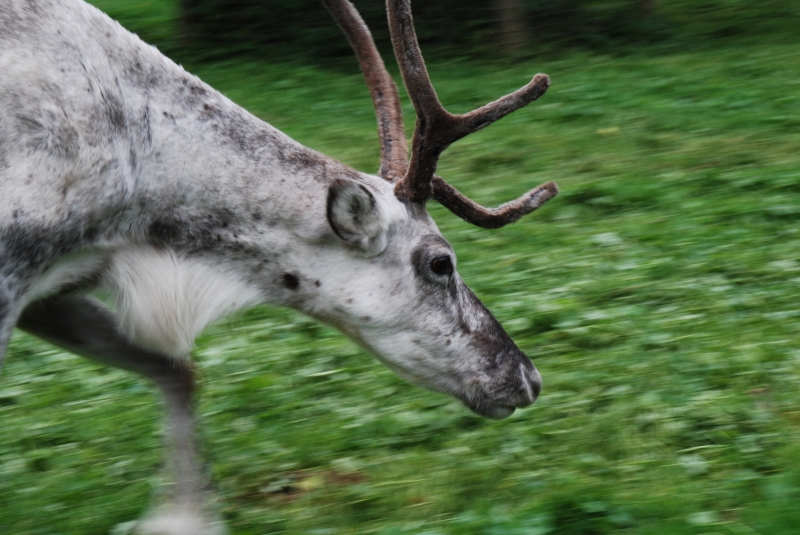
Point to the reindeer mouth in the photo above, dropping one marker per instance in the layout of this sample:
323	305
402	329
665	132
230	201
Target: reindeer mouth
487	409
501	403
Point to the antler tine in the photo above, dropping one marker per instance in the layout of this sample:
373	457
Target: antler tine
437	128
425	148
490	218
385	97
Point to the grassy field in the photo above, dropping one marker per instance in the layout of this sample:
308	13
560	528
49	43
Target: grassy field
657	295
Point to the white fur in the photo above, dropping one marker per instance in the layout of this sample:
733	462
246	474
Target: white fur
164	301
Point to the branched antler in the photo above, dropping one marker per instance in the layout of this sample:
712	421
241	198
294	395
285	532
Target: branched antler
394	151
436	128
474	213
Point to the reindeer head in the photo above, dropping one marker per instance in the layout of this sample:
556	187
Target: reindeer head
424	323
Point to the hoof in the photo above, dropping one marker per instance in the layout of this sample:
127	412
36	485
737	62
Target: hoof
173	522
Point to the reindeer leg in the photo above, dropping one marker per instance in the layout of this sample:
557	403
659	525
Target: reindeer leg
86	327
8	317
6	326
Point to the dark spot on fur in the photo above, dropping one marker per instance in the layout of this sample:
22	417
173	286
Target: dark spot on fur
349	301
366	318
143	76
317	284
197	89
291	281
91	233
29	248
448	342
114	111
142	129
51	131
210	112
212	231
164	231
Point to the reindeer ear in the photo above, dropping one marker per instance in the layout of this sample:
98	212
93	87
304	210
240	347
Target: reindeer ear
356	217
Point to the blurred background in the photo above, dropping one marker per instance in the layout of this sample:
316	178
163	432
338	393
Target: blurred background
657	294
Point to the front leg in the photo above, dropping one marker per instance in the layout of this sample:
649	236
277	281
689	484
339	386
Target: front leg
6	326
7	319
86	327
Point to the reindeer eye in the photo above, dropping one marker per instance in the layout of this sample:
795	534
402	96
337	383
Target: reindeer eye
442	265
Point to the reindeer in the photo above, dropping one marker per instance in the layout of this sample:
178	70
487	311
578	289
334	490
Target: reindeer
121	172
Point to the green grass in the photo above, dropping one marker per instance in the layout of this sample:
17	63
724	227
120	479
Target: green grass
657	295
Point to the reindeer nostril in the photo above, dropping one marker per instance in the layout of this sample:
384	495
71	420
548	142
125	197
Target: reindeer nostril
536	382
532	382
